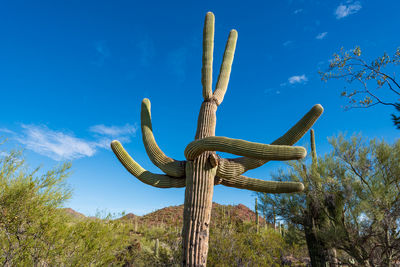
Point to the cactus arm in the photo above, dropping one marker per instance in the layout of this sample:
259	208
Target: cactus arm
208	47
168	165
295	133
314	162
228	168
262	186
156	180
243	148
226	66
313	150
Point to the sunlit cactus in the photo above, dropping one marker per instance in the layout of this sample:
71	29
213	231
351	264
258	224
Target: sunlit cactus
156	248
203	168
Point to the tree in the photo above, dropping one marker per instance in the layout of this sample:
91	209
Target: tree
355	204
306	210
366	178
203	167
377	85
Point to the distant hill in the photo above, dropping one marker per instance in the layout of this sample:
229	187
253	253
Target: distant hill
74	214
173	215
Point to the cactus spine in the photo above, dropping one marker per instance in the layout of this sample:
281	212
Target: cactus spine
203	168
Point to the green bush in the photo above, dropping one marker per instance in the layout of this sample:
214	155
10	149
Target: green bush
34	231
239	244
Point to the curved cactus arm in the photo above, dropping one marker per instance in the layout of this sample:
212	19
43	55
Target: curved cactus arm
243	148
208	48
226	66
258	185
295	133
168	165
156	180
229	168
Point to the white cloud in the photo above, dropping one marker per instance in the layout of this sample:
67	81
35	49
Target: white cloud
297	11
114	131
271	91
321	36
5	130
55	144
298	79
109	133
61	145
343	10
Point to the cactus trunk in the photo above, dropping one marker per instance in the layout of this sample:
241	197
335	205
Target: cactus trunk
197	211
200	176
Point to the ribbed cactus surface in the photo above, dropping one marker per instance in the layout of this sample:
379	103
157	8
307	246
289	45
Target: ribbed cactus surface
203	168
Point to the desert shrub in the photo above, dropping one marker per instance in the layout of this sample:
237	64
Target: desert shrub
169	251
239	244
34	231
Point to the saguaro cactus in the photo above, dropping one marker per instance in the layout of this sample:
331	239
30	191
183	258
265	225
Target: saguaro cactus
156	247
203	168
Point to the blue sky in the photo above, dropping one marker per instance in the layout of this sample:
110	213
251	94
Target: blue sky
73	75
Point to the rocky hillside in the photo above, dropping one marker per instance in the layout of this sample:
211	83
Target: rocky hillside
74	214
173	215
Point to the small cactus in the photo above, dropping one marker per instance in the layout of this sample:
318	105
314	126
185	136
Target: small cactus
136	225
256	210
156	248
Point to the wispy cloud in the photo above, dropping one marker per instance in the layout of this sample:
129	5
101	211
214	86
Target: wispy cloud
270	91
64	145
105	134
321	36
287	43
114	131
55	144
344	10
5	130
297	79
297	11
102	53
